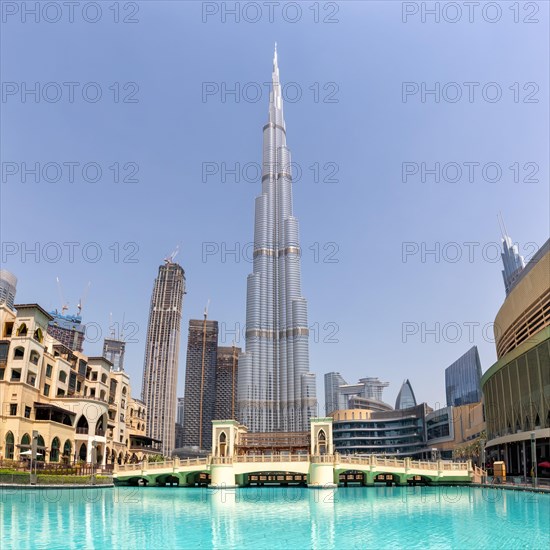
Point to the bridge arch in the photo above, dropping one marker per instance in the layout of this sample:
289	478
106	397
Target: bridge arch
390	478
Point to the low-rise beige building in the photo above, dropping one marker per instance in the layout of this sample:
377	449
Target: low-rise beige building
78	407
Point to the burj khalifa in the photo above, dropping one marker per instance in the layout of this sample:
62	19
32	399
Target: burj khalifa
276	391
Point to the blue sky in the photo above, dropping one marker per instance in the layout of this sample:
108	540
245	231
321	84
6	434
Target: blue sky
362	293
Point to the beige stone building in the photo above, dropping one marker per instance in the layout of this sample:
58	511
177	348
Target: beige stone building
78	407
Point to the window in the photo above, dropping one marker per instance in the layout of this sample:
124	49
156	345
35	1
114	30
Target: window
62	376
15	375
38	336
4	349
10	447
8	329
27	412
49	370
13	409
60	392
18	353
104	378
22	330
31	378
54	451
94	376
2	374
46	390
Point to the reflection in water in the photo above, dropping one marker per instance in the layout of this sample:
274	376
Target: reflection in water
273	517
322	514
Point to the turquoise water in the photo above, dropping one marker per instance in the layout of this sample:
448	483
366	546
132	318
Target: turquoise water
275	517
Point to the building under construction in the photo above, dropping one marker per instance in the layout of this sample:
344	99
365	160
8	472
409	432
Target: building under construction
210	383
226	383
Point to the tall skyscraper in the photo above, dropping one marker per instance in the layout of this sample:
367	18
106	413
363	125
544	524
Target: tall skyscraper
227	371
8	287
512	261
113	350
276	391
405	397
333	381
463	379
160	372
200	383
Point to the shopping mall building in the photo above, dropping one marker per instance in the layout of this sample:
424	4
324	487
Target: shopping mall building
516	388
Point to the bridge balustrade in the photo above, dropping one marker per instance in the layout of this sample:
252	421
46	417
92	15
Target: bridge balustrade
322	459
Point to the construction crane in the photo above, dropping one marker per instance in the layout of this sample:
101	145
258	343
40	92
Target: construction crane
64	303
170	258
83	298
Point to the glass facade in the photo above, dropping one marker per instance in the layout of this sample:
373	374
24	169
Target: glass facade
405	397
512	262
397	433
463	379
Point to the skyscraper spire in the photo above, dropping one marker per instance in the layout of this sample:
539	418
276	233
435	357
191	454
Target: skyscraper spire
276	391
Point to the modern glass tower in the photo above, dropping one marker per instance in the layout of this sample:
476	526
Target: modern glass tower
405	397
276	391
463	379
512	261
160	372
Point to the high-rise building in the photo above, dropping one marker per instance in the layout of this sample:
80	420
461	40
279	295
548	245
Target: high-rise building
333	381
463	379
405	397
113	350
512	261
8	288
276	391
67	329
227	371
160	372
180	409
340	395
200	383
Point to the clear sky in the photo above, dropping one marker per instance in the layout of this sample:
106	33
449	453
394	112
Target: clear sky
164	110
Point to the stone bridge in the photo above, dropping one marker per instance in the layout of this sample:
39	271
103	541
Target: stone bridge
321	467
319	471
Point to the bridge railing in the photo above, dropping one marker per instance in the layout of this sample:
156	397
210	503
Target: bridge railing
455	466
169	463
373	460
322	459
271	458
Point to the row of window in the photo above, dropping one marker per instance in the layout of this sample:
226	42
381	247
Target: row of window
22	331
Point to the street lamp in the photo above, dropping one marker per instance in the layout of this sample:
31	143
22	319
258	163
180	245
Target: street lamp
34	450
482	443
534	458
94	460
